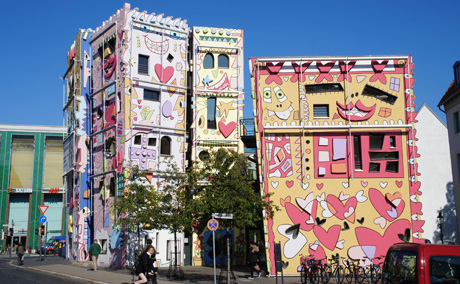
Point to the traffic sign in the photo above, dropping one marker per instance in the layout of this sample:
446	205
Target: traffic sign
43	208
213	224
42	219
223	215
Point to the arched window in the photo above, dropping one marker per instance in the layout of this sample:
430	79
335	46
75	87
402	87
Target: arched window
208	61
165	145
222	61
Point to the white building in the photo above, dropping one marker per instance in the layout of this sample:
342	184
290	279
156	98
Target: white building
436	175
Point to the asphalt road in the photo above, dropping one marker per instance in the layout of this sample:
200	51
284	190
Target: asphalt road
10	273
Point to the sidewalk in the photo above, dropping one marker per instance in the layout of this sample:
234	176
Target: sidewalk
192	274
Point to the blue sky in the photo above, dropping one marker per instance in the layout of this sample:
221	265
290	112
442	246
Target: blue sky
36	36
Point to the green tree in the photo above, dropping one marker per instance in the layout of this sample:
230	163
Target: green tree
140	205
221	184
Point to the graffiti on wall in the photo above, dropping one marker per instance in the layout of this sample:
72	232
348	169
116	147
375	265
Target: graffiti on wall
352	191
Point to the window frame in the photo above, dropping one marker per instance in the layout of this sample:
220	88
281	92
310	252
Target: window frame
213	61
139	71
321	105
456	122
218	61
164	138
153	92
211	112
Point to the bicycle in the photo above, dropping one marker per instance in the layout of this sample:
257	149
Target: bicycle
372	271
20	259
352	272
339	271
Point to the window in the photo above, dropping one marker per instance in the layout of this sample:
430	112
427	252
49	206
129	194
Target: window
22	161
444	268
392	141
379	94
392	167
165	145
458	165
208	62
321	111
376	141
170	57
357	152
151	95
203	155
112	187
103	243
381	156
212	113
457	73
408	270
54	154
222	61
323	88
143	65
394	84
456	122
152	142
374	167
137	140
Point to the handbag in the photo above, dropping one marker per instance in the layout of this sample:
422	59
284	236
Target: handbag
257	267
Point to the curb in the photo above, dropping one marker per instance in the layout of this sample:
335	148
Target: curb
60	274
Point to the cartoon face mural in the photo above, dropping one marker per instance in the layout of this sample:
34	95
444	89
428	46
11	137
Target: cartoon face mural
336	147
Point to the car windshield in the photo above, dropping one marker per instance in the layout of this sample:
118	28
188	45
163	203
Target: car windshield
445	269
50	241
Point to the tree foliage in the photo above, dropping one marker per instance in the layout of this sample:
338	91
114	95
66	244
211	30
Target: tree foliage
220	184
140	203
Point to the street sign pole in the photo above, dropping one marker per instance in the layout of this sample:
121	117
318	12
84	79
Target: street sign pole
214	251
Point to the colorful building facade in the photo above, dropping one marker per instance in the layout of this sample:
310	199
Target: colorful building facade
31	170
216	112
336	148
141	108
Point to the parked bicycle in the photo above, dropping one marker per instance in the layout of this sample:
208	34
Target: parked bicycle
352	272
373	272
337	268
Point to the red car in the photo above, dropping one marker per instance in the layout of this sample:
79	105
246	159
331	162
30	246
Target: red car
422	263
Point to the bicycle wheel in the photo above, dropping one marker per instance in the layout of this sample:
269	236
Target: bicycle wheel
348	275
303	275
376	273
314	277
339	274
360	274
327	273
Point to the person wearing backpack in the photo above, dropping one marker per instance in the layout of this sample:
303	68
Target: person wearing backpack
144	265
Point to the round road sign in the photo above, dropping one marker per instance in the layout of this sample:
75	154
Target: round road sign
213	224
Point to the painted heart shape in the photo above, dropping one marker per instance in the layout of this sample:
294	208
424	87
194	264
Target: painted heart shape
307	203
293	230
399	183
343	196
361	221
345	185
383	184
293	245
316	251
328	238
382	222
319	186
305	185
300	216
139	101
289	183
373	244
360	196
227	129
274	184
364	183
340	210
164	74
340	245
385	204
284	201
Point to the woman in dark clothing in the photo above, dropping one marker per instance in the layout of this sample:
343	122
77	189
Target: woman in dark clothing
145	266
263	259
252	258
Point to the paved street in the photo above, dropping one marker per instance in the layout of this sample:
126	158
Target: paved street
11	273
58	270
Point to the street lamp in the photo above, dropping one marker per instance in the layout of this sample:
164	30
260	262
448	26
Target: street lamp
440	222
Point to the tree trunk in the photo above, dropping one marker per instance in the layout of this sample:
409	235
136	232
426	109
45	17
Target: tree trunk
138	240
175	251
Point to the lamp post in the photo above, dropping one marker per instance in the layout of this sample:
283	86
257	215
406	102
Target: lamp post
440	222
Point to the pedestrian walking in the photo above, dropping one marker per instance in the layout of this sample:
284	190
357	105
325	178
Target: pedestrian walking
20	252
94	251
263	260
252	259
144	265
